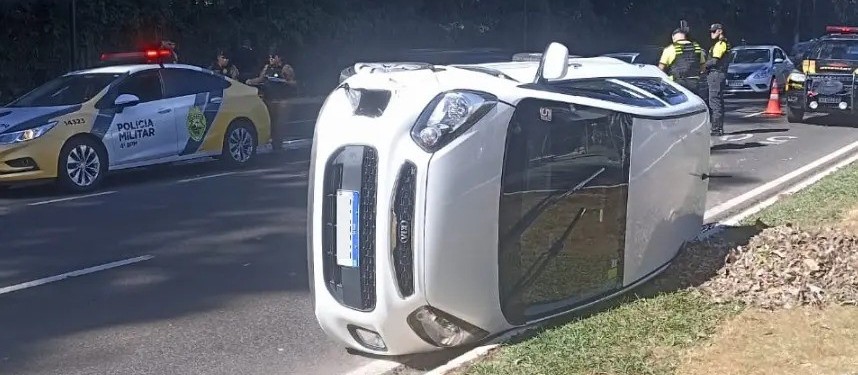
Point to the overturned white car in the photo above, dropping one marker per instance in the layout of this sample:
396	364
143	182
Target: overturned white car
449	204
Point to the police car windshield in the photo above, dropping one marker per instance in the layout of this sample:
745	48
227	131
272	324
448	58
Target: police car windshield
838	50
751	56
66	90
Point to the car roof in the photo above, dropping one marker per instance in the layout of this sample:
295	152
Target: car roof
132	68
524	71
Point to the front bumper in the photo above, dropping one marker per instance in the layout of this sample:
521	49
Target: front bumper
736	84
813	97
446	265
28	161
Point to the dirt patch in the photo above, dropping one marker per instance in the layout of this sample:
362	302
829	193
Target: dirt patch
804	340
850	221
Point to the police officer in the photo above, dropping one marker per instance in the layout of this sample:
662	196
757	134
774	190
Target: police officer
278	80
683	61
716	69
224	66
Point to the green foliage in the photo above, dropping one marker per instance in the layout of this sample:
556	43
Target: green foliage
322	37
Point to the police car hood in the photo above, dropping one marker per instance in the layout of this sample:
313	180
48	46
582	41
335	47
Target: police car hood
825	66
14	119
746	67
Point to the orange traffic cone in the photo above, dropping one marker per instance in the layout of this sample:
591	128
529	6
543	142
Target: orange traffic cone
774	107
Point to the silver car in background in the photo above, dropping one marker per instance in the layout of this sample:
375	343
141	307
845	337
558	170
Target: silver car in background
752	69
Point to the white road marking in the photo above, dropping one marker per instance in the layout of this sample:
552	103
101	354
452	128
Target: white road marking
84	271
753	114
778	139
205	177
70	198
732	203
736	137
481	351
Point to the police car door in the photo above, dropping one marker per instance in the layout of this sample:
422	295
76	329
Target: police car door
196	98
143	133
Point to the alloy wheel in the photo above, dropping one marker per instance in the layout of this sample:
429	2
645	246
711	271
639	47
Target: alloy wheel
83	165
240	145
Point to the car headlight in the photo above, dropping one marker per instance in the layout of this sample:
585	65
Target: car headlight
763	73
26	134
448	115
797	77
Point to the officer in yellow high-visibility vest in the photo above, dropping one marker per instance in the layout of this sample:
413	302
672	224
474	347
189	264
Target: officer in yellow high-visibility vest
716	68
683	61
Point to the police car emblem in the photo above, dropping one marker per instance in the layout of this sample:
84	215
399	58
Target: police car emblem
196	124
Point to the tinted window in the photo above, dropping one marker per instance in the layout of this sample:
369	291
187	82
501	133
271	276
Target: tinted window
600	88
780	54
146	85
181	82
657	87
67	90
562	207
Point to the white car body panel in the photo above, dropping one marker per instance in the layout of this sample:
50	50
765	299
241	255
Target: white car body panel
455	229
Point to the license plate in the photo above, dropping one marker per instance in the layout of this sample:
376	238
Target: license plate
348	234
735	84
829	100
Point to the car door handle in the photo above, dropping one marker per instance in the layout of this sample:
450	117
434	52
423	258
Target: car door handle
217	100
165	110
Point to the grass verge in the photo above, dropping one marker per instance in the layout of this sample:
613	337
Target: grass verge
655	335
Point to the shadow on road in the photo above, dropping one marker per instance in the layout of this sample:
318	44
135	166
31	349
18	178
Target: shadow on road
757	131
735	146
831	120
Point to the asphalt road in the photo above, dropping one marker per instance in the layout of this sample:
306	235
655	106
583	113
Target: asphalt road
220	282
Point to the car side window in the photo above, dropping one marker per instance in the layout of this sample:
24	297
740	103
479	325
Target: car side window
145	85
779	54
182	82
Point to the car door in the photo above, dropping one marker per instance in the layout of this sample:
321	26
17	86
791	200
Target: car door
144	132
196	99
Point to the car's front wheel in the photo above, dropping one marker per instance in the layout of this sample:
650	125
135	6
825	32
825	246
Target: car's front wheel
82	165
239	144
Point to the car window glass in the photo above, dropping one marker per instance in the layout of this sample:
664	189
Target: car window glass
779	54
66	90
182	82
603	89
145	85
657	87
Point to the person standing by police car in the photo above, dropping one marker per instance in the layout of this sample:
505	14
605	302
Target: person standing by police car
223	65
278	83
683	61
716	69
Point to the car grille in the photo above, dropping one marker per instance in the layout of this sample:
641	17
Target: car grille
403	228
831	84
351	168
738	76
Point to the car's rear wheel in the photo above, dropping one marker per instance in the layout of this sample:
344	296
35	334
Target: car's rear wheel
82	165
794	115
239	144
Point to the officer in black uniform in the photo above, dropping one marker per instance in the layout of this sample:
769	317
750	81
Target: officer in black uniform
277	81
683	61
716	69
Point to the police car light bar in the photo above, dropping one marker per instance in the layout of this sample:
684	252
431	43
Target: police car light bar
841	29
149	56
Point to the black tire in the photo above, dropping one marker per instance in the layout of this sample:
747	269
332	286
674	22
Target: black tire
82	165
239	144
794	116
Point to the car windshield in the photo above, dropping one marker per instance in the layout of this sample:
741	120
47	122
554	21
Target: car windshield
751	56
838	50
66	90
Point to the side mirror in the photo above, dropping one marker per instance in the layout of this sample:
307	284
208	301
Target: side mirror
779	61
554	63
126	100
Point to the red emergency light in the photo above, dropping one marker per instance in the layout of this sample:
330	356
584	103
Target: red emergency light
147	56
841	29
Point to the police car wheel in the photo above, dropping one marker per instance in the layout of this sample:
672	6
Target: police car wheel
82	165
239	145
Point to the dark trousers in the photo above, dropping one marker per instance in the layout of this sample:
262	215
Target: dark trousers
717	85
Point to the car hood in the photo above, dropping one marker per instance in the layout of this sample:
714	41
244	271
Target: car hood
19	118
746	68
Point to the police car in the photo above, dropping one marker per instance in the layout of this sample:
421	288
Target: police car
824	82
79	126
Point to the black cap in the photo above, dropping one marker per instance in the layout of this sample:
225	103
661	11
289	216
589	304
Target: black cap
716	26
677	31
